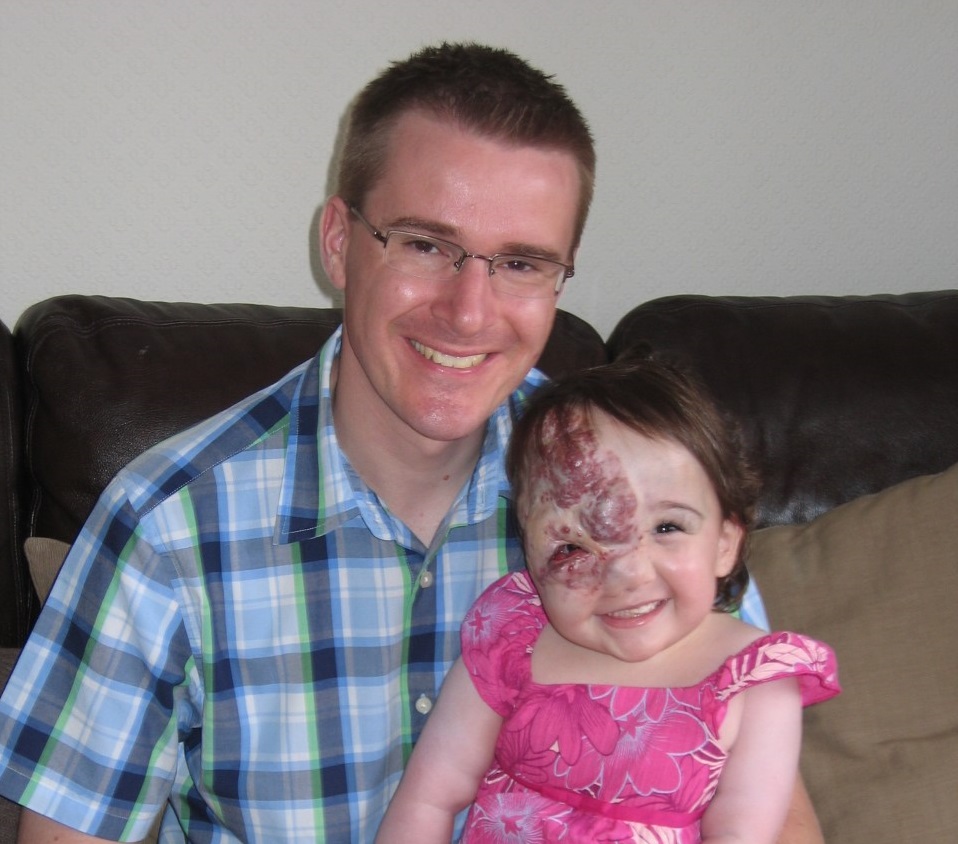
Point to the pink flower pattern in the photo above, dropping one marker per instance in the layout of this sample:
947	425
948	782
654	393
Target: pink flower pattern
605	763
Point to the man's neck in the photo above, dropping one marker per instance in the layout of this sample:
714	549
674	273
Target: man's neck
417	478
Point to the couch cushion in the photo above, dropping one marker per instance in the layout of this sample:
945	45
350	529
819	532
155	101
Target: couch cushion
878	580
838	396
45	558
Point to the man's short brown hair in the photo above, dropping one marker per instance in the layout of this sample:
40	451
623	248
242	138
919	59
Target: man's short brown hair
484	89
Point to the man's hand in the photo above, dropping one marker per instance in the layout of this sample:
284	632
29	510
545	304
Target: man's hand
801	825
36	829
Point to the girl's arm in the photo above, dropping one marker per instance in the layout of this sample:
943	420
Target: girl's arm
756	787
447	765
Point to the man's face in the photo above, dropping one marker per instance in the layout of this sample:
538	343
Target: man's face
436	358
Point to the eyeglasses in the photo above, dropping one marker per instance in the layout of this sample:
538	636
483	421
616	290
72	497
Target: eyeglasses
426	257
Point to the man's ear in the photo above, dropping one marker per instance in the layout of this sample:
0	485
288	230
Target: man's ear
729	543
575	252
334	228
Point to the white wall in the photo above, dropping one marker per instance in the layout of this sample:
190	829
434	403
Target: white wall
180	149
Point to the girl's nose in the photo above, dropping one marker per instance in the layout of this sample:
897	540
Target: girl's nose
632	569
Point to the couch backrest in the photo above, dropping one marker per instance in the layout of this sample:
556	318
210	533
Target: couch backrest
105	378
838	396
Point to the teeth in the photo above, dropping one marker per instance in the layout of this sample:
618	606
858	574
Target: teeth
636	612
448	360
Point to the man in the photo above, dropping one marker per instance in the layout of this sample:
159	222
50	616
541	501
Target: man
251	629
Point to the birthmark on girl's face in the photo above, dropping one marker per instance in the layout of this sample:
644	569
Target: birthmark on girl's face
578	483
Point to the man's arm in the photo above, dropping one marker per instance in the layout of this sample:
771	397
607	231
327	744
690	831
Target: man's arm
37	829
801	825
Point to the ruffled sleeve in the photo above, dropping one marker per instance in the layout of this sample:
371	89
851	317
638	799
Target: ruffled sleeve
777	656
497	636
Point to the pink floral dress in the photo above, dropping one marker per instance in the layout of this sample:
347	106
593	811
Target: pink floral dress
606	763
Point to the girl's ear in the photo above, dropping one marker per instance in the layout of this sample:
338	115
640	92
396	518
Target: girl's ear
729	543
334	228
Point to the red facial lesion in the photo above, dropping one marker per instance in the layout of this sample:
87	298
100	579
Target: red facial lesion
589	501
574	566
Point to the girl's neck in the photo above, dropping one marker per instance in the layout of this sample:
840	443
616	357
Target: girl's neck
556	660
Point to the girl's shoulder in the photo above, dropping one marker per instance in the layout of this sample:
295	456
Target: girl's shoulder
511	602
497	637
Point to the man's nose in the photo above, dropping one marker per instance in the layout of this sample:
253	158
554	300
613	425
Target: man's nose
468	299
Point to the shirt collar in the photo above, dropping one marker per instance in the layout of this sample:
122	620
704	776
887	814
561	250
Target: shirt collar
321	491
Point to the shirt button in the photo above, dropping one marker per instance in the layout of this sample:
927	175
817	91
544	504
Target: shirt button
423	705
426	579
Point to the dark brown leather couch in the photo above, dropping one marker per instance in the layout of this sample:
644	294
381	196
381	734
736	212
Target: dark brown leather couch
839	397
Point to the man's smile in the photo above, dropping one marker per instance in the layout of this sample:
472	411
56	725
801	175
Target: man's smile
451	361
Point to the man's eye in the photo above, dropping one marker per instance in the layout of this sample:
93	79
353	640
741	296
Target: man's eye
422	247
517	265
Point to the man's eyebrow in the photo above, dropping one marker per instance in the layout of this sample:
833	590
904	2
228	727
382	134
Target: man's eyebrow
419	224
532	251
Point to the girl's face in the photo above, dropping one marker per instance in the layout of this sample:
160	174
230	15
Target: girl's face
624	539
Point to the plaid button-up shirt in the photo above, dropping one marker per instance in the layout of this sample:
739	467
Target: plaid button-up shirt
243	624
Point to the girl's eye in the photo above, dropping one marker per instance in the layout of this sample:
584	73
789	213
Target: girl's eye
667	527
566	554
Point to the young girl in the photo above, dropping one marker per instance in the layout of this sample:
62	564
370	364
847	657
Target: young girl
608	694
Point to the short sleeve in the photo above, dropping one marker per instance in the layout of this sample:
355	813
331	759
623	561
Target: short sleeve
497	636
88	721
778	656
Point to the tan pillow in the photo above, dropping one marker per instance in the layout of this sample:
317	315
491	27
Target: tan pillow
44	558
878	580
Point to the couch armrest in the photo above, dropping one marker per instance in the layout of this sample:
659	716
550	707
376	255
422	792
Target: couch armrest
17	601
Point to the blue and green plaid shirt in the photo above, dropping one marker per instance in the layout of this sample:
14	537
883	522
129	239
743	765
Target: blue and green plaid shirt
242	623
243	636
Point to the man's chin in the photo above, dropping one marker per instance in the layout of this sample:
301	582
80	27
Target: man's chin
450	424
